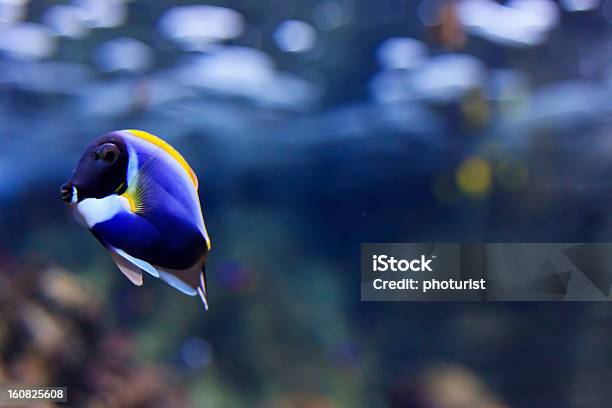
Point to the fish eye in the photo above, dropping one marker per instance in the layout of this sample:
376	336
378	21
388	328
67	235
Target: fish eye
108	152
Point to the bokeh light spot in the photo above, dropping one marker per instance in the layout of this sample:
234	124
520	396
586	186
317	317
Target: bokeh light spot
295	36
66	21
196	352
579	5
196	27
28	41
474	176
401	53
123	54
330	14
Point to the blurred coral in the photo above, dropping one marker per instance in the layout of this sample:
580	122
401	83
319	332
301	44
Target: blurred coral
53	334
443	386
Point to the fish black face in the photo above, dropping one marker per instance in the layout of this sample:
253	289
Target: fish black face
101	171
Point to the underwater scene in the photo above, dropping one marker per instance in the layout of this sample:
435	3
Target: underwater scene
307	128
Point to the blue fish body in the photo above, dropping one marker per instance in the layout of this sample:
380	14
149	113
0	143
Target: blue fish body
139	198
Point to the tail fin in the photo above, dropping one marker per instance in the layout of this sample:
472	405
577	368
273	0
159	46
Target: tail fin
202	287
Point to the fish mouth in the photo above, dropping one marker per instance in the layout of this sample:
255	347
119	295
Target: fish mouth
68	193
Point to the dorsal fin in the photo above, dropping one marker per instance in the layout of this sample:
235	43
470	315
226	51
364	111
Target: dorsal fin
162	144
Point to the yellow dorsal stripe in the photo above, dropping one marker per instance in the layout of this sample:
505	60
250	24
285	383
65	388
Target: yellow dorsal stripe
168	149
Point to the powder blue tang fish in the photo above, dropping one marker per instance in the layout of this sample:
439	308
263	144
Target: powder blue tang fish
139	198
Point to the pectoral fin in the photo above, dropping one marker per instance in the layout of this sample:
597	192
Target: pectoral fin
133	273
139	187
139	263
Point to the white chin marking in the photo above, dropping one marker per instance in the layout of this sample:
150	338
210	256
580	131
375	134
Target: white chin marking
93	211
75	196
